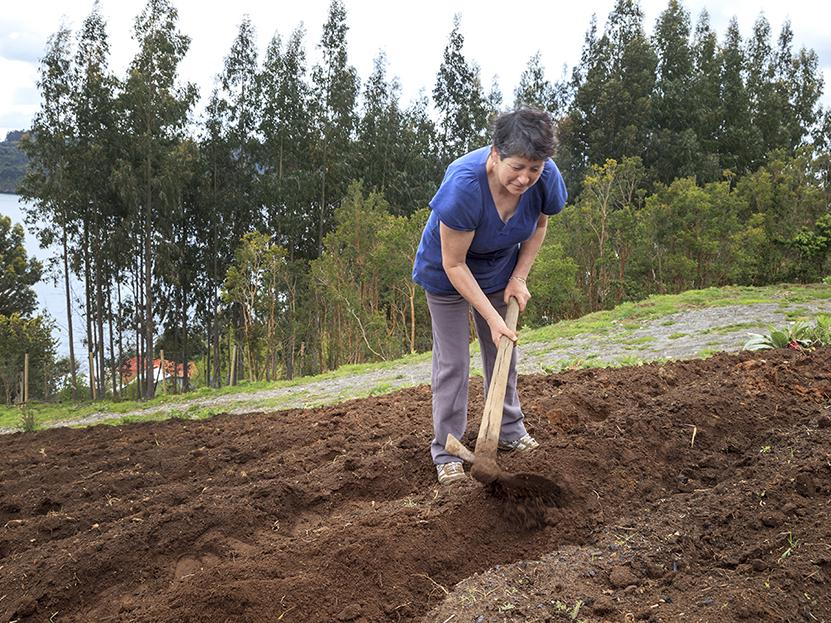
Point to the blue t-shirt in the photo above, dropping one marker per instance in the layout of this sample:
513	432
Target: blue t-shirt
464	202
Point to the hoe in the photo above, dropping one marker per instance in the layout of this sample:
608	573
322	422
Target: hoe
485	468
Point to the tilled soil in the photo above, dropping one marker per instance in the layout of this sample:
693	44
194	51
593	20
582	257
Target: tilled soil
694	490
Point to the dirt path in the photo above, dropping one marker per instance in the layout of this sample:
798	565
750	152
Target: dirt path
678	336
695	491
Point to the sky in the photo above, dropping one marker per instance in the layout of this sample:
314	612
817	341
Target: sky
499	36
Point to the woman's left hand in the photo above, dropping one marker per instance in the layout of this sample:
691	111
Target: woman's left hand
518	289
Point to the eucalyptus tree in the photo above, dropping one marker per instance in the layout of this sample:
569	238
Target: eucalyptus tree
155	113
739	141
378	128
285	124
674	149
799	81
768	107
47	184
93	154
210	234
459	99
335	90
495	100
417	170
288	185
534	89
587	77
621	125
239	107
706	95
613	83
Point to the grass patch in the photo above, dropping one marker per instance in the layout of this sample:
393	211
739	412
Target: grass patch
676	336
634	314
636	341
729	328
799	313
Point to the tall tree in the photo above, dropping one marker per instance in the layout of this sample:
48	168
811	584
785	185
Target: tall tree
610	114
47	182
459	100
378	128
335	87
767	107
239	107
156	111
706	98
674	148
739	140
93	155
287	182
534	89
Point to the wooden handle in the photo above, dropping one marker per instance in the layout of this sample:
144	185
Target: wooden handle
488	438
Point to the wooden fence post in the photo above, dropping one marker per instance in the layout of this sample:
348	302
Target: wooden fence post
26	378
161	363
92	375
232	380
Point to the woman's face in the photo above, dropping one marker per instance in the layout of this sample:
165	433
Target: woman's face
516	173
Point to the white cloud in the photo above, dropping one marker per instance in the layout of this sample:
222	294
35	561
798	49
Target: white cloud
21	46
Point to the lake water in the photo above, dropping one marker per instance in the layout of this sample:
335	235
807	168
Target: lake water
51	296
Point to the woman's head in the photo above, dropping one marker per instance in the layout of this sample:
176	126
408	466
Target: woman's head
526	132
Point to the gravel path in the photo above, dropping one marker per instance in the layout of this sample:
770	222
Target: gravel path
681	335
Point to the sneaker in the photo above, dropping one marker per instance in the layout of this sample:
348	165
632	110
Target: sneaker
450	472
526	443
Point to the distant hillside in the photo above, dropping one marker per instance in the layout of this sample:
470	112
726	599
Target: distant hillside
12	163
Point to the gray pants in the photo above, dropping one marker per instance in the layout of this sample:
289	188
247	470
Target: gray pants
451	369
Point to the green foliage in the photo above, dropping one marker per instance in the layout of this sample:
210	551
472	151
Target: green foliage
553	280
19	336
798	335
459	99
255	282
28	421
17	272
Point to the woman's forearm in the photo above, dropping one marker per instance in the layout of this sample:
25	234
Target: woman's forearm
465	283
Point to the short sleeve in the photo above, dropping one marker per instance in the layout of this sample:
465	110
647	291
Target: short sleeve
554	193
458	201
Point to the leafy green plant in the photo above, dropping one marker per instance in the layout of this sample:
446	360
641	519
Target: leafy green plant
822	330
27	420
793	543
797	336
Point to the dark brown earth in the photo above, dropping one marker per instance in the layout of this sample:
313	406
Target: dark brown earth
692	491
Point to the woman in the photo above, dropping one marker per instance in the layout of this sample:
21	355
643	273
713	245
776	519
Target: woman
488	220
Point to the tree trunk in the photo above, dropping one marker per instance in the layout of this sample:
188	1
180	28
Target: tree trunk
69	311
88	310
112	343
99	313
148	280
120	342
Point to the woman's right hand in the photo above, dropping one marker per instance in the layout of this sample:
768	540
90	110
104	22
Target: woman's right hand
499	328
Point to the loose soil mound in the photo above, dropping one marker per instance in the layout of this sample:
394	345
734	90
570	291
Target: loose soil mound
696	488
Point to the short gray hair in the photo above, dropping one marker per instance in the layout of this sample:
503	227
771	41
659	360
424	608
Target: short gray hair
526	132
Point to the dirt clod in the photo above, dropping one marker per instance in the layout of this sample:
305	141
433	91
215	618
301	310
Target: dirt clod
621	577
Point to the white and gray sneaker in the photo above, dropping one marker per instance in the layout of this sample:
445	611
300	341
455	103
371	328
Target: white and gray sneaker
450	472
526	443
